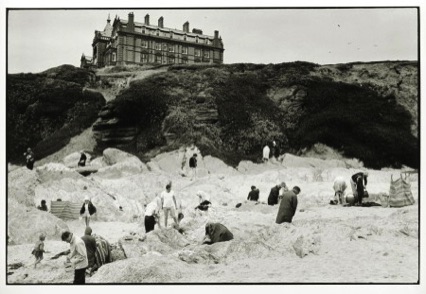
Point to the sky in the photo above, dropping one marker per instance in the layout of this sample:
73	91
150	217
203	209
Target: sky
40	39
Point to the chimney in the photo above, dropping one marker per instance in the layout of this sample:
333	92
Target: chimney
216	34
131	22
186	27
161	22
147	19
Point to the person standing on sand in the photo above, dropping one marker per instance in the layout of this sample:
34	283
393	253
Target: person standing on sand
339	187
152	214
90	243
87	210
288	206
275	193
358	183
39	250
29	158
193	166
77	256
168	202
266	152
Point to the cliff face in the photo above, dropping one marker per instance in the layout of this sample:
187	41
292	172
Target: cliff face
45	110
231	111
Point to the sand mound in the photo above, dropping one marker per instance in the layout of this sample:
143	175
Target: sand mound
152	268
26	224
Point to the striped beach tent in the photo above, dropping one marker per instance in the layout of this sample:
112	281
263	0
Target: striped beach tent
400	193
65	209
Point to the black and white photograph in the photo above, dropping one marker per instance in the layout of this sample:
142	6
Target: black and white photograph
212	145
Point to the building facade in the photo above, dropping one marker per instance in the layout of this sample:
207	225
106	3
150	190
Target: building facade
129	42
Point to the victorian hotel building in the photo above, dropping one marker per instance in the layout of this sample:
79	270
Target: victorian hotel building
129	42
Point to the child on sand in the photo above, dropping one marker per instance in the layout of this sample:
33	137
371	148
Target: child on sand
39	249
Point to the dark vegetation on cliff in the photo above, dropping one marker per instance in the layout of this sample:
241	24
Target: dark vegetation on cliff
45	110
231	111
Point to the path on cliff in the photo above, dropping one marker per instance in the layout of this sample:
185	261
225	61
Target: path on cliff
85	140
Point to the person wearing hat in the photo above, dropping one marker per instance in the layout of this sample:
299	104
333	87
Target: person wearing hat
253	194
359	182
275	193
87	210
288	206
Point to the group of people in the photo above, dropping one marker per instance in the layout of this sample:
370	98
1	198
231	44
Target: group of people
269	152
280	194
358	183
81	256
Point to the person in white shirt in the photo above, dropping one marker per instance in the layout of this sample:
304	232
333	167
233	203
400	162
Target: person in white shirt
152	214
168	201
266	152
77	256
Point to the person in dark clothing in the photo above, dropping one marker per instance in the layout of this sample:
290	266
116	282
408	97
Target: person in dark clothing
29	158
90	243
288	206
216	232
253	194
87	210
360	180
277	151
275	192
82	161
193	166
42	206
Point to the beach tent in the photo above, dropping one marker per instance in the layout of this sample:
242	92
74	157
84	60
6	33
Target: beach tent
65	209
400	193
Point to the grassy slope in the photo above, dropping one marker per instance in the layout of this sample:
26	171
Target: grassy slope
354	119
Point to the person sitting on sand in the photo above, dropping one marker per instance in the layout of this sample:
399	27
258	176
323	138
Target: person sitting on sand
152	214
39	249
274	194
82	161
288	206
339	187
204	200
42	206
168	202
216	232
253	194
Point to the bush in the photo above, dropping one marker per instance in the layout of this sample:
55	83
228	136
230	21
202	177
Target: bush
359	122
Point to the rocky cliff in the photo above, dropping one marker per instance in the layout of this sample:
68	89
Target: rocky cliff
231	111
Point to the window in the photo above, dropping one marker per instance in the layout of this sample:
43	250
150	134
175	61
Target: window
143	31
196	39
157	59
144	44
144	58
184	38
171	48
197	52
165	60
114	57
184	50
184	60
171	60
206	54
165	47
157	46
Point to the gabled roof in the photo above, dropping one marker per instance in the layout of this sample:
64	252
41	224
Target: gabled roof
107	32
